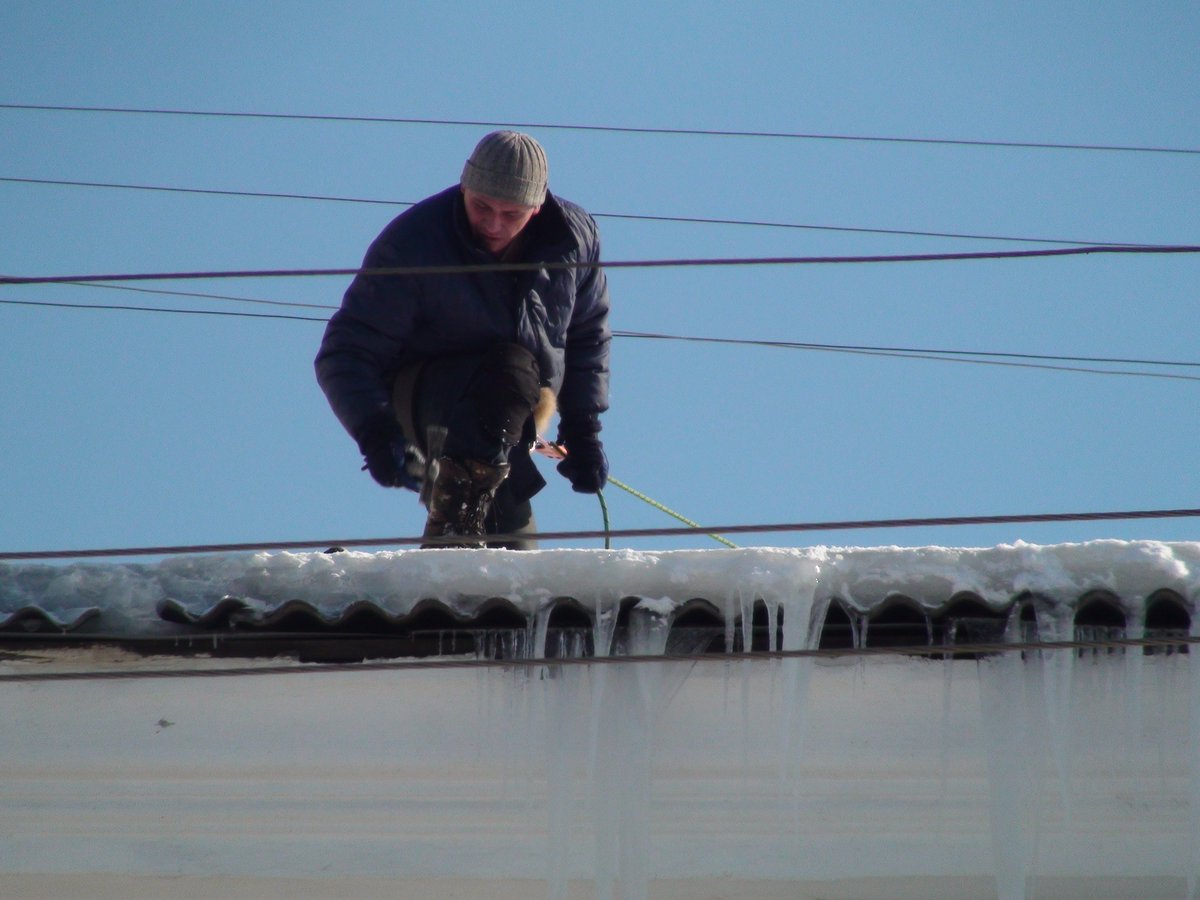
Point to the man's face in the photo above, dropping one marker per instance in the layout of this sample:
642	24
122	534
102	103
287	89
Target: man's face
496	223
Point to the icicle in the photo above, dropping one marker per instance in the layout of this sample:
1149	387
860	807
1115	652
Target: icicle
772	624
563	702
730	620
944	737
1007	738
539	623
1057	671
811	619
621	783
799	633
604	625
648	631
1134	660
859	622
746	615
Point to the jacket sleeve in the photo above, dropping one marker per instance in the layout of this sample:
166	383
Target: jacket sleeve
585	380
368	339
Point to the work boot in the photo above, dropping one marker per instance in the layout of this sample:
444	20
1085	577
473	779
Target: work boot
459	499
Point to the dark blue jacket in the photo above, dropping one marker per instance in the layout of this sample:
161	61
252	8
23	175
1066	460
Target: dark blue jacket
388	322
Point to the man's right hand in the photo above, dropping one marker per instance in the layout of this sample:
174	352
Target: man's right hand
389	458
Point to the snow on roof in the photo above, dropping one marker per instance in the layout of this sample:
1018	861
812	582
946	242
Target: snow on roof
475	588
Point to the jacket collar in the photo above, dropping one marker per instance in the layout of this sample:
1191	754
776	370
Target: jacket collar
547	236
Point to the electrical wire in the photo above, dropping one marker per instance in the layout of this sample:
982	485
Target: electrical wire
643	335
689	220
611	129
929	355
161	309
580	265
164	189
798	345
193	294
689	531
954	356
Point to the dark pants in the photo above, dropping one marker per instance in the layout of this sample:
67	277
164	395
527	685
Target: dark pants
479	406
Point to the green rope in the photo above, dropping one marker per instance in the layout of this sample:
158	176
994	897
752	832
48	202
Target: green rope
660	507
558	452
604	511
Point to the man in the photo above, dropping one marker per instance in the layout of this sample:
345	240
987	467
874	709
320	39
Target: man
444	380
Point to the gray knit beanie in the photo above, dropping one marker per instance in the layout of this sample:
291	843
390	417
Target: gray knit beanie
508	165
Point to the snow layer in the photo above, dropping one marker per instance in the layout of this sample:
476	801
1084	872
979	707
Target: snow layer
130	597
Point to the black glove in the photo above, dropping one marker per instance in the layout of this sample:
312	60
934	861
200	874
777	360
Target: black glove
389	458
586	466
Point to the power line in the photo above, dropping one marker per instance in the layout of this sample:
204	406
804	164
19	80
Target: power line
618	264
202	296
612	129
1016	365
967	357
846	229
762	528
112	307
799	345
748	342
973	357
167	189
690	220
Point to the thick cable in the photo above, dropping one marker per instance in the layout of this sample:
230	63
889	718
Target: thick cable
580	265
611	129
763	528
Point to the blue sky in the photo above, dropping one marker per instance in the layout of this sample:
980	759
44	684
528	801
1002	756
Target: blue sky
131	428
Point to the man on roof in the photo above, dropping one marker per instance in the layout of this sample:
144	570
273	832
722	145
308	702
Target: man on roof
445	380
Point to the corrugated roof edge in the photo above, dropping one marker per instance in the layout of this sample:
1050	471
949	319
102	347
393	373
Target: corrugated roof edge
34	618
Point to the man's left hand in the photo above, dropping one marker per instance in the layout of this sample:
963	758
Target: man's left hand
586	466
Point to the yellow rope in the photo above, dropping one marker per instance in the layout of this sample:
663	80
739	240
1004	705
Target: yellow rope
669	512
557	452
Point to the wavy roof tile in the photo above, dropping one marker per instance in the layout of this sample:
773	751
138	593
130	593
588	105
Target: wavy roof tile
761	598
